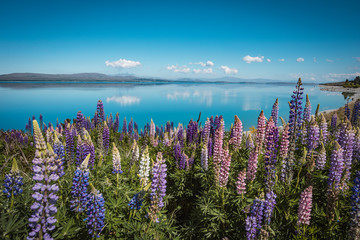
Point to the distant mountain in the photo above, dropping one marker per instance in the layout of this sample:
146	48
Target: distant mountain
82	77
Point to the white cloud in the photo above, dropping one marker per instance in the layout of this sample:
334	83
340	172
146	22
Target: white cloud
340	76
176	68
329	60
206	70
250	59
268	60
123	100
281	60
228	70
123	63
207	64
357	59
300	59
177	95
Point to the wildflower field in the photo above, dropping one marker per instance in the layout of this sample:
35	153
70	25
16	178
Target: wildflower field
97	178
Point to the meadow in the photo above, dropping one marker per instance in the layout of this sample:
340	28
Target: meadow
101	177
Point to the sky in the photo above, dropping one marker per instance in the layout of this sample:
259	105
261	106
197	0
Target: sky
281	40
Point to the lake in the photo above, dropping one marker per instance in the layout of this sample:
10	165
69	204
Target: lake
160	102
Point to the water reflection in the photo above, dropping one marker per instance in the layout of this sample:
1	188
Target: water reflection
123	100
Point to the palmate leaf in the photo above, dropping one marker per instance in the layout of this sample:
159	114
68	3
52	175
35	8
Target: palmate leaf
12	224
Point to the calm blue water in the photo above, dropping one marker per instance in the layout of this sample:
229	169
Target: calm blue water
162	102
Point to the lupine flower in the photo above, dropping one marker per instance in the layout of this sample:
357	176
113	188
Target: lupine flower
333	121
225	167
144	170
79	151
356	152
79	186
134	153
284	145
177	152
124	128
130	127
260	132
269	204
354	232
249	142
95	212
236	133
41	121
295	119
240	183
307	109
59	150
116	123
324	128
336	166
80	123
110	121
218	149
137	200
100	113
252	165
254	220
348	146
106	138
69	142
184	159
313	135
88	148
356	113
275	112
305	205
347	111
206	132
270	155
158	185
152	132
42	220
13	181
321	158
116	160
204	157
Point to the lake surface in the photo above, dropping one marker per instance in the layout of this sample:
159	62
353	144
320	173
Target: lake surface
161	102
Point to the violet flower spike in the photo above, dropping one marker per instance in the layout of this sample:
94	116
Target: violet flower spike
95	211
305	205
240	183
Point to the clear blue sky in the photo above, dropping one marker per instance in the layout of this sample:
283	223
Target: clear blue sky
317	40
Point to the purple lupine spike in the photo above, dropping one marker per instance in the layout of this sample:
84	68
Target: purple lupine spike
336	166
13	181
158	186
236	133
42	220
216	122
33	118
212	127
270	155
152	132
136	127
41	121
168	127
95	211
218	152
110	121
305	205
210	148
204	157
269	205
307	110
356	113
79	151
116	160
45	127
130	127
252	165
295	119
189	133
324	128
80	123
356	152
100	113
183	160
88	148
254	220
341	133
59	150
260	132
30	127
106	138
116	123
206	131
321	158
240	183
284	145
69	142
224	168
313	135
79	186
354	232
96	119
124	128
180	136
347	111
348	151
275	112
